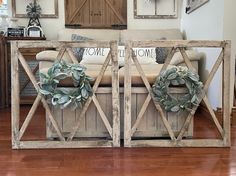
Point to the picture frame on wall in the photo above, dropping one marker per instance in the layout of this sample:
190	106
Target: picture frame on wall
194	4
49	8
155	9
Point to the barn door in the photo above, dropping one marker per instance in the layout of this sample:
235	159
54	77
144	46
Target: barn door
96	13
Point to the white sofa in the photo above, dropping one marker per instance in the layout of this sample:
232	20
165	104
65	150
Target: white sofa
121	36
151	125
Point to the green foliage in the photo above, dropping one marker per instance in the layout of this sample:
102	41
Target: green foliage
66	96
177	76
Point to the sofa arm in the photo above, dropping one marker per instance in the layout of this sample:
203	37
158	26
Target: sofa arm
48	57
51	55
193	55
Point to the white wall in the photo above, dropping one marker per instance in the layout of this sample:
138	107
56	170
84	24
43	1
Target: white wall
51	26
151	23
206	23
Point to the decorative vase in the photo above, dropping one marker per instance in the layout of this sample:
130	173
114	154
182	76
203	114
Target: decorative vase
13	23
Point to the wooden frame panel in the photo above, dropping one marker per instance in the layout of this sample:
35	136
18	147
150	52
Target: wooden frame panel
22	14
18	132
178	141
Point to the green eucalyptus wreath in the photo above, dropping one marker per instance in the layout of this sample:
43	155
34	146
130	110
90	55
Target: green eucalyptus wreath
177	76
65	96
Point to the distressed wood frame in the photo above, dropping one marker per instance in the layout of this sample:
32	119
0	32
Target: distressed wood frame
155	16
178	141
53	15
64	47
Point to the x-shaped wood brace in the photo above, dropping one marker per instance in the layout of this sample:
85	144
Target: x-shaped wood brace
201	97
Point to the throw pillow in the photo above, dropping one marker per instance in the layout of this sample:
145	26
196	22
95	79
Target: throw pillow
78	52
95	55
144	55
161	54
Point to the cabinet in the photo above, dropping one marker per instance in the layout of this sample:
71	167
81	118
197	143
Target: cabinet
3	73
27	92
96	13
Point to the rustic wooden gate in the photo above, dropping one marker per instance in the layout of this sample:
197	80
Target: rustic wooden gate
70	142
178	140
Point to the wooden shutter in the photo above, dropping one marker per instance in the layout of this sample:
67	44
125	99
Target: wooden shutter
95	13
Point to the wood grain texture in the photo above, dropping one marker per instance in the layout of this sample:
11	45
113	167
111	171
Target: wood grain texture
96	14
179	141
116	161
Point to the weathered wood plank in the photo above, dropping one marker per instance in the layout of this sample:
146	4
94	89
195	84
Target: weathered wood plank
213	116
102	115
115	95
187	60
72	56
127	96
34	82
177	43
61	144
86	105
65	44
182	143
214	70
15	97
226	93
29	116
61	53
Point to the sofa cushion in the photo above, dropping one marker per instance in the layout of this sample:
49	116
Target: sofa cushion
151	71
193	55
51	55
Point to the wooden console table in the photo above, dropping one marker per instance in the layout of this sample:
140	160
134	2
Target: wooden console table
5	68
4	100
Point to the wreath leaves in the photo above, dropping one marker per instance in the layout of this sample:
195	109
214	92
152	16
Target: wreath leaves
66	96
177	76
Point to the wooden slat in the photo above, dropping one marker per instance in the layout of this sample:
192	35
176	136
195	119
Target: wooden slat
34	82
61	53
29	116
187	60
226	93
213	71
147	85
127	96
177	43
61	144
15	94
28	80
102	114
140	114
182	143
115	95
86	105
115	11
165	121
213	116
76	11
72	56
65	44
